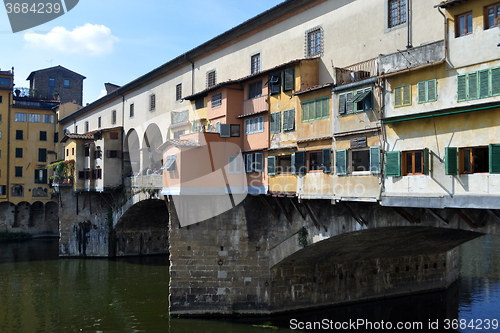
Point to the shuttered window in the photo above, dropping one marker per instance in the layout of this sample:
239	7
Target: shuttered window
288	79
480	84
249	163
271	165
275	82
275	122
42	155
300	162
258	162
225	130
341	162
327	160
41	176
355	101
402	95
451	160
494	156
393	164
288	120
427	91
416	162
375	160
316	109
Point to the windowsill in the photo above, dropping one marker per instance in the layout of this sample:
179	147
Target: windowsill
315	171
215	107
468	34
361	173
355	112
415	174
255	97
313	120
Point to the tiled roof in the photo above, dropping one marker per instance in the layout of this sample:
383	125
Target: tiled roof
314	139
313	88
449	3
87	136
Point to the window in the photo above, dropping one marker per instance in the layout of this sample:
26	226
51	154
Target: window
397	12
43	136
0	134
86	127
3	190
416	162
20	117
474	160
427	91
178	92
99	122
56	137
225	130
152	102
254	162
234	164
66	83
492	15
480	84
4	81
357	100
288	120
216	100
235	130
19	152
113	117
211	78
314	42
255	89
360	160
41	176
284	165
255	63
19	134
48	119
52	82
170	165
34	118
131	110
275	126
463	24
42	155
315	160
275	83
18	171
315	109
199	103
1	99
17	190
97	174
73	151
254	125
402	95
76	129
289	79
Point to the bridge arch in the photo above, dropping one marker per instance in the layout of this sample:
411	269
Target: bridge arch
132	157
151	156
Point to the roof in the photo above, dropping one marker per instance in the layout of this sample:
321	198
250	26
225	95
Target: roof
52	68
277	13
203	93
449	3
180	143
313	88
88	136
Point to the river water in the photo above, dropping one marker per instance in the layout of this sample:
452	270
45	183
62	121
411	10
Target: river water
41	293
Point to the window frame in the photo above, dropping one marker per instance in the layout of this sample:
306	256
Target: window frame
216	100
131	110
311	37
457	24
211	78
404	162
178	92
255	65
403	92
252	125
315	102
461	161
152	102
400	20
258	87
496	9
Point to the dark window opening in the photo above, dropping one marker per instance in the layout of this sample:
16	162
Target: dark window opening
255	89
475	160
284	164
315	161
360	160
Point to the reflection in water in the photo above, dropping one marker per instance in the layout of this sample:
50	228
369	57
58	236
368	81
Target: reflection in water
39	293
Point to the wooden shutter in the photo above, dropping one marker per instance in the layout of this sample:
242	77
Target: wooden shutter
451	161
407	95
37	178
431	90
305	112
275	83
462	87
312	111
494	152
276	122
300	162
293	164
288	79
495	81
342	104
484	83
393	164
375	160
426	161
349	102
288	120
327	160
341	161
422	88
249	163
271	165
325	108
225	130
472	87
398	96
259	162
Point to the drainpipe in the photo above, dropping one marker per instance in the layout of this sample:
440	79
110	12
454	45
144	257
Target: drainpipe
192	73
408	26
381	84
445	33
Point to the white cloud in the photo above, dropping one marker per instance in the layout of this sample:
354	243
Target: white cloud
103	93
91	39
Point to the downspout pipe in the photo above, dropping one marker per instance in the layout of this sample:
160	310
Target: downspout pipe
445	33
409	25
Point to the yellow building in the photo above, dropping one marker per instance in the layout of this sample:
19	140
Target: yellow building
5	98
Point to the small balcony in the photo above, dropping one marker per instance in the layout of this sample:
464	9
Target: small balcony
357	72
255	105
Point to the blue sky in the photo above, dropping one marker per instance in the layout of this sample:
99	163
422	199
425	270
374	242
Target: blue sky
119	40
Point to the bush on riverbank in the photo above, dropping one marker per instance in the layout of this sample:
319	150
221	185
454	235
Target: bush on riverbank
6	236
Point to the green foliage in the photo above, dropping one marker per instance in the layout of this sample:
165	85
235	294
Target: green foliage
62	169
303	237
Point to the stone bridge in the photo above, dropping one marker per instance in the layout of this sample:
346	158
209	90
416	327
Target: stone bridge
274	254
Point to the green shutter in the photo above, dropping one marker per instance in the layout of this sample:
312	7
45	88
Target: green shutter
342	103
432	90
484	83
375	159
271	165
398	96
285	120
291	120
462	87
341	162
44	180
305	112
494	150
288	78
472	88
37	179
325	108
393	164
451	161
426	161
275	83
495	81
312	111
300	162
422	91
327	160
293	164
275	122
349	102
407	95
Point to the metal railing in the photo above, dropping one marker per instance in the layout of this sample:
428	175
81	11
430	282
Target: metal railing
357	72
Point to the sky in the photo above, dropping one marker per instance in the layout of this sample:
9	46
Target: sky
118	41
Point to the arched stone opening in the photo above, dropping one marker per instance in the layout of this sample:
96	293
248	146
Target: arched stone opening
151	156
131	156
